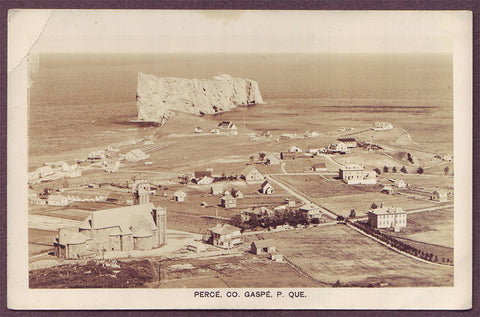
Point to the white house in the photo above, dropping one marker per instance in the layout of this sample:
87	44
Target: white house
267	188
225	236
319	167
387	217
179	196
57	200
250	173
228	202
356	174
136	156
205	180
216	189
439	195
310	211
350	142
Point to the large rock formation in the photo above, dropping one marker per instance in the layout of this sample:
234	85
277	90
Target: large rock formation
157	96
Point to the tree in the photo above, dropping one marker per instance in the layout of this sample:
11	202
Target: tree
254	221
446	170
340	218
236	221
385	169
410	158
394	169
403	170
262	155
352	213
420	170
374	206
377	170
252	158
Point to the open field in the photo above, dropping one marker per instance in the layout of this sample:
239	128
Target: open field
434	227
362	202
318	187
427	181
370	160
302	165
244	270
337	252
40	241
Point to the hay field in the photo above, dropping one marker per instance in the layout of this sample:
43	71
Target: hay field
337	252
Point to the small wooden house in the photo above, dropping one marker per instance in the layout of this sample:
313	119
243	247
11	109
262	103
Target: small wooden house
228	202
263	246
319	167
267	188
179	196
250	173
439	195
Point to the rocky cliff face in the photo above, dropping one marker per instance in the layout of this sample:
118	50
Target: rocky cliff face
157	96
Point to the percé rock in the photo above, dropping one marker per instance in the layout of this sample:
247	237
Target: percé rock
157	96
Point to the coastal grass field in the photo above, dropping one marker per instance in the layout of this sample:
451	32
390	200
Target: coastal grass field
434	227
241	270
338	253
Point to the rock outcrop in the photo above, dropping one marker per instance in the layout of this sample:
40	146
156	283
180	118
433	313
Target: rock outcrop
158	96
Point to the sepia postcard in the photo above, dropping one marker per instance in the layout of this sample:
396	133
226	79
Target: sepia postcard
239	159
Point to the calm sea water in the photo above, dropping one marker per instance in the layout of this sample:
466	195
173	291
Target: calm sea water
76	98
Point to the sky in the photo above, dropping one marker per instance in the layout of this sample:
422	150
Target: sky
228	31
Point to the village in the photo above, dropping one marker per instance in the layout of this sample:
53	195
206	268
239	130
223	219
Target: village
187	195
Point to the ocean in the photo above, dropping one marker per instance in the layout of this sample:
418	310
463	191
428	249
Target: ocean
78	100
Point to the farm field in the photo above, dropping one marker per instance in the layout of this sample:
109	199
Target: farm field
302	165
434	227
317	186
370	160
244	270
337	252
40	241
424	180
361	203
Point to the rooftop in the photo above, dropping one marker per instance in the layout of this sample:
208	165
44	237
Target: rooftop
126	218
224	229
249	169
352	167
387	210
264	243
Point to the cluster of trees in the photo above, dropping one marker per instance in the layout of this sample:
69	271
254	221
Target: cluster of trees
399	245
386	169
404	170
280	217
